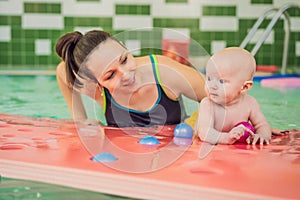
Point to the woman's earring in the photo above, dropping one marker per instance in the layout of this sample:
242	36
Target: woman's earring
101	89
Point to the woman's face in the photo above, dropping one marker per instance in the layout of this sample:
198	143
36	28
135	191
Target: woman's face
113	66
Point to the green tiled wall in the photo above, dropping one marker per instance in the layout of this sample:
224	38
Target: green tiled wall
19	49
176	1
42	8
132	9
262	1
104	22
88	0
219	11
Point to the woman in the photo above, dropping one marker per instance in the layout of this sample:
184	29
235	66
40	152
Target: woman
141	91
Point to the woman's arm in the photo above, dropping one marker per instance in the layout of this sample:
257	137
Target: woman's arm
181	79
72	97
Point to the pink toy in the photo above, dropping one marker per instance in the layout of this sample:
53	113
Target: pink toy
246	133
288	82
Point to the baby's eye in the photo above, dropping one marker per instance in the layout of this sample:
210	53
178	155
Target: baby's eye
222	81
208	78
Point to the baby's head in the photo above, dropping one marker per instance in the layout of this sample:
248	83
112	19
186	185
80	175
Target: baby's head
237	61
231	70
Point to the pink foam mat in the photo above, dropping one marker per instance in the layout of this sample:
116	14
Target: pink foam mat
61	152
287	82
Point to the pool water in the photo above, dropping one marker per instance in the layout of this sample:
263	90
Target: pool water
16	189
39	96
281	107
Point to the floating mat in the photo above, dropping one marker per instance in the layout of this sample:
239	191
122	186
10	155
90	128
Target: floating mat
288	82
61	152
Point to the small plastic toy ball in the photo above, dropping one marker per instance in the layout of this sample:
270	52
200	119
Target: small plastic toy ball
183	130
149	140
182	141
104	157
246	133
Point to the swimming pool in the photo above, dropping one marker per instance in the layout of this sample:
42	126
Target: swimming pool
39	96
24	190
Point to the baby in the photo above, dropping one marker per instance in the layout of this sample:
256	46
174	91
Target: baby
227	111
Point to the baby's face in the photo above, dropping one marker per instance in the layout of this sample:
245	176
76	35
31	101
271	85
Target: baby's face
223	82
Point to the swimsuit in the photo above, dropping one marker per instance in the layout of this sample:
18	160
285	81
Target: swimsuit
164	112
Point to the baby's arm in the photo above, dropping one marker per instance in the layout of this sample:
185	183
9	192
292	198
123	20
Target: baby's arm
262	128
206	130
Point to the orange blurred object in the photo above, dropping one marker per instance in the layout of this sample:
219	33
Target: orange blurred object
176	49
267	68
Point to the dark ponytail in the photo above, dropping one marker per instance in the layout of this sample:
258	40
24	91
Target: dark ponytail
74	48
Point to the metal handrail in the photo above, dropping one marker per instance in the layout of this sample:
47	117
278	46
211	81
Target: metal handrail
256	26
282	10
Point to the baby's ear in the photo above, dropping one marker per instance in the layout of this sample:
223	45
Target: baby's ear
247	86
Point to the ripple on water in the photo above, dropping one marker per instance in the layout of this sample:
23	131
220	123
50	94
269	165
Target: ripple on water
14	189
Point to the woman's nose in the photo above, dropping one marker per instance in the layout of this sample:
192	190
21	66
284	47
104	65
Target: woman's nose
125	73
126	69
122	69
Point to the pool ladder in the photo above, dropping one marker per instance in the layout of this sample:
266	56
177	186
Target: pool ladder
279	12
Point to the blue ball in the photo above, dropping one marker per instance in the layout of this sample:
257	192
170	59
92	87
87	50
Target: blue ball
183	130
149	140
182	141
104	157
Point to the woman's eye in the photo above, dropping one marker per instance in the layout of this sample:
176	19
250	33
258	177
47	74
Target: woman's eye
110	76
222	81
124	61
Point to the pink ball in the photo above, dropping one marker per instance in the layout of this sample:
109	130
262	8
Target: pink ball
246	133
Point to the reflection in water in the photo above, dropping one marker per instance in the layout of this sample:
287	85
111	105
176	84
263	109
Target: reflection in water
14	189
291	146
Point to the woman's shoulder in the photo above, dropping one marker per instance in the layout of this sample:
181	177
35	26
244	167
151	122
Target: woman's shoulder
61	70
146	60
142	60
164	59
61	67
161	59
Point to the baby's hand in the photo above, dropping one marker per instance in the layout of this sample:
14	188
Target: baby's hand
262	137
235	134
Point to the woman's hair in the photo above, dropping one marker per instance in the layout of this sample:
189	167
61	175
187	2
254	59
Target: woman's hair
74	48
